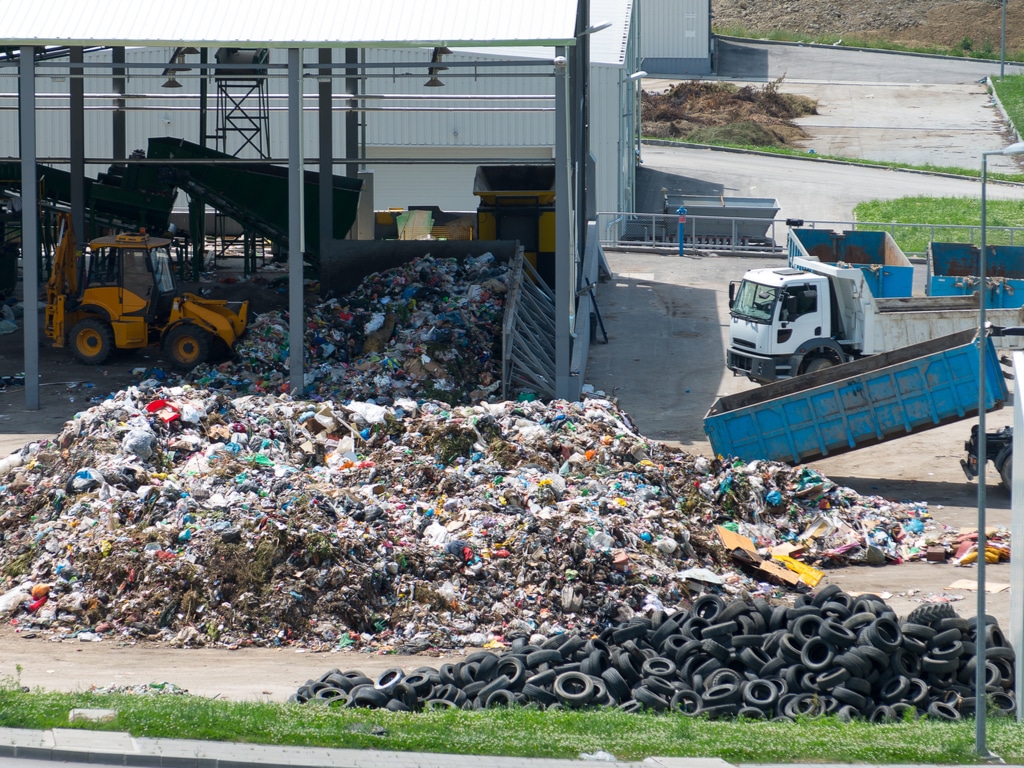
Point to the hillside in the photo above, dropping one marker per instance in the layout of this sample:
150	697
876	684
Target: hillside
973	24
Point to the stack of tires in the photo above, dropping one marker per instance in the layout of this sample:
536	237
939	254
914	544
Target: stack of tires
828	654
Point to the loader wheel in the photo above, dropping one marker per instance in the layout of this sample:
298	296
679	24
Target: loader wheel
92	341
188	346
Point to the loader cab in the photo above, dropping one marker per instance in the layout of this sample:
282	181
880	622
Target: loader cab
130	276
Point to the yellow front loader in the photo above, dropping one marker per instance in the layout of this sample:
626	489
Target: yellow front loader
123	295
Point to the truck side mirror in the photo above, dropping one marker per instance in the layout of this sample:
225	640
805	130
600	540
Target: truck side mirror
732	293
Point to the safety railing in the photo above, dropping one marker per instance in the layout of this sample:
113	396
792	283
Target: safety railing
740	234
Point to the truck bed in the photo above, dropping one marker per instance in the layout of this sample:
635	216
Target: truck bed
857	404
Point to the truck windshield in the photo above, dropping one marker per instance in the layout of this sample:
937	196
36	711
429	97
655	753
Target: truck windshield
161	262
755	302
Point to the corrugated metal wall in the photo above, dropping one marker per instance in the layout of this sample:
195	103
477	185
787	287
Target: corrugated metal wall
391	128
675	36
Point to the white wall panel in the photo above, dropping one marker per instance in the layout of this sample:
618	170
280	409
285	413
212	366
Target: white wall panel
675	29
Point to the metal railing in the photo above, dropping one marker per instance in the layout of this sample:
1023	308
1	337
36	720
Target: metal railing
739	234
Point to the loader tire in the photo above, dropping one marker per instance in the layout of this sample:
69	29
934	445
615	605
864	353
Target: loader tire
188	345
92	341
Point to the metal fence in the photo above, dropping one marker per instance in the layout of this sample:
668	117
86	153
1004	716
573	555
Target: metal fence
739	234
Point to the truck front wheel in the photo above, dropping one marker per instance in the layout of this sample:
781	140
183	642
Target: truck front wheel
819	363
1006	473
188	345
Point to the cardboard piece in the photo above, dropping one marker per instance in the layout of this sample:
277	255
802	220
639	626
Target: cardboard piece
971	585
935	554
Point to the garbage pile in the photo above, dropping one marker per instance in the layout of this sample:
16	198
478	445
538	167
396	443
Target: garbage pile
428	329
188	516
828	654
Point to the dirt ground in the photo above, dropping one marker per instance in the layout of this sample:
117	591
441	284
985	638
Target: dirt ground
920	468
949	23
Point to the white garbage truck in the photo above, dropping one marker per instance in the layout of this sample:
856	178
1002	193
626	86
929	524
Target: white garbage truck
813	314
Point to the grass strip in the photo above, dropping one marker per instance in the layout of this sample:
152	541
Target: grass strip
520	732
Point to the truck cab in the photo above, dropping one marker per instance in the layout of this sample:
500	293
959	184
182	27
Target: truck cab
781	325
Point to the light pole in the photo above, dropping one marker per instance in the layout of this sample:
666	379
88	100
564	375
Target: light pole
1002	44
979	671
636	77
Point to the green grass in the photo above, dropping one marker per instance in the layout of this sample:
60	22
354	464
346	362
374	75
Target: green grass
1011	93
520	732
965	48
945	213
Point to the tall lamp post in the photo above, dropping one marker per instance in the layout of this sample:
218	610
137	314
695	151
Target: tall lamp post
636	77
1002	44
979	672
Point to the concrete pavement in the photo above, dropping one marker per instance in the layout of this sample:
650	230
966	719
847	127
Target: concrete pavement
112	748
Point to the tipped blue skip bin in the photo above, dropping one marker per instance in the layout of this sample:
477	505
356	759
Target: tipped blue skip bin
857	404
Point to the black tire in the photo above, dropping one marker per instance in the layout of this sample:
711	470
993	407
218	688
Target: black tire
513	668
500	698
617	685
420	682
817	363
187	345
760	694
825	594
720	630
543	656
943	711
658	667
574	689
882	713
707	607
628	632
928	614
538	695
430	704
650	700
487	664
827	681
721	711
849	697
500	683
368	696
805	705
92	340
389	679
687	703
884	634
751	713
1004	704
835	633
895	689
817	654
1006	473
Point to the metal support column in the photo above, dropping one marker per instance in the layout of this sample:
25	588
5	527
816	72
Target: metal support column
325	117
353	116
76	107
29	221
296	234
564	292
118	129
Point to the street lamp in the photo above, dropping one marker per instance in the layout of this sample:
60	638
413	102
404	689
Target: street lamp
979	672
636	77
1002	44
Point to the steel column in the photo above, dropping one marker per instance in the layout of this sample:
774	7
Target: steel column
326	123
296	233
76	108
29	221
563	227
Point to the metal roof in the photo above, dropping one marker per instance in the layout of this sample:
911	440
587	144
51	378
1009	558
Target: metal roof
607	46
292	24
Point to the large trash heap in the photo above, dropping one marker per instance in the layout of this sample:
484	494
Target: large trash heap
400	507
